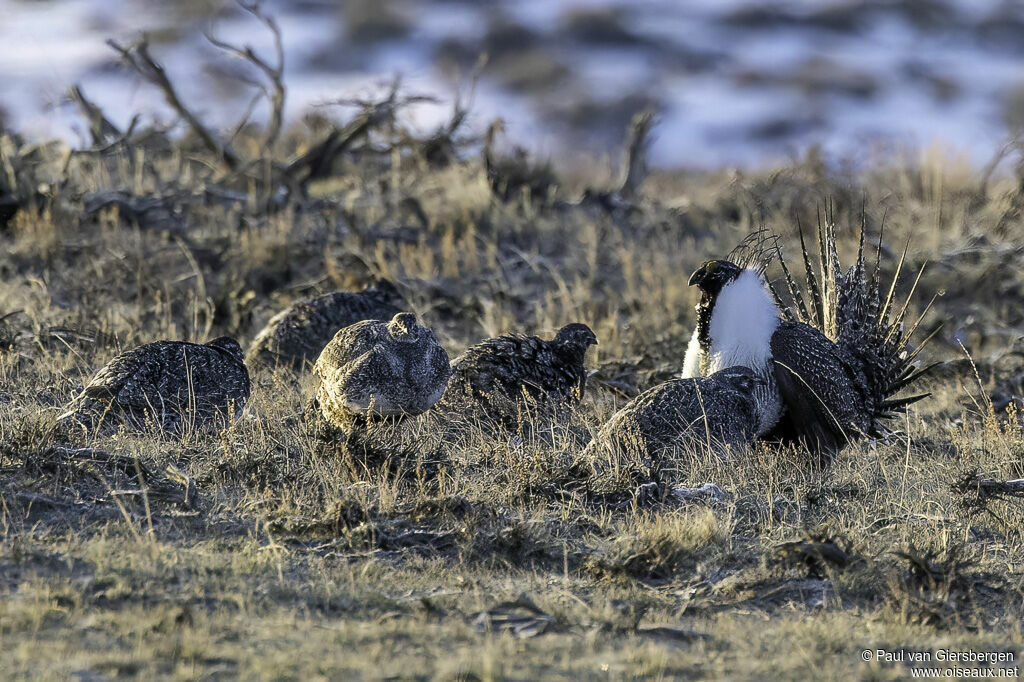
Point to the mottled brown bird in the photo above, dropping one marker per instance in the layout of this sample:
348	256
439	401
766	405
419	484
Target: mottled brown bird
504	378
708	413
376	368
173	384
295	337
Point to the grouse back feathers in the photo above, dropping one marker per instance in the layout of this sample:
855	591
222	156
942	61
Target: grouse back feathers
712	412
170	383
823	393
497	375
296	336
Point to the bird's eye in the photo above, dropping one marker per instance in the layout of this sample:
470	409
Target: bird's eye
711	266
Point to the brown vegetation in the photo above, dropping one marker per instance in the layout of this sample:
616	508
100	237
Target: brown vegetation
273	550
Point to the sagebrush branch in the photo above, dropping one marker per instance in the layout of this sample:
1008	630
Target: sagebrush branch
635	164
137	56
274	73
100	127
977	491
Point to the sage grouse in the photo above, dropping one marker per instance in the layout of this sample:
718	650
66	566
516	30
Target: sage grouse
708	413
501	379
296	336
831	373
172	384
374	368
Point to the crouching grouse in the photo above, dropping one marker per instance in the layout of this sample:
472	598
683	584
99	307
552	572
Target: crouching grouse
172	384
373	368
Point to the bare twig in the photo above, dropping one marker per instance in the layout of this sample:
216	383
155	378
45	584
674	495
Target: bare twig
997	158
137	56
381	112
440	148
274	73
462	106
385	106
100	127
635	163
242	122
976	492
375	114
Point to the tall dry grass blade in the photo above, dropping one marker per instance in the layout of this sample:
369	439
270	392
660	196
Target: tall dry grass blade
917	351
917	323
898	322
884	314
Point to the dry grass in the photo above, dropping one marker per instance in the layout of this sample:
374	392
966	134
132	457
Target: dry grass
270	550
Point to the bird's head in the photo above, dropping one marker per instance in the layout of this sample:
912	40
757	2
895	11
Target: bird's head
577	335
227	345
713	275
404	327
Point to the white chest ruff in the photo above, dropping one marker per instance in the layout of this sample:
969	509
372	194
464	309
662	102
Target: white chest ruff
742	323
743	320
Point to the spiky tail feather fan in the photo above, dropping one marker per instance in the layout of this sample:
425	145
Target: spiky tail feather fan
849	309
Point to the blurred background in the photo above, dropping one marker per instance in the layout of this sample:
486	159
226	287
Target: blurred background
746	83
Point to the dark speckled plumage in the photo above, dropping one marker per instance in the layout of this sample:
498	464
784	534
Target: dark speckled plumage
840	366
495	379
381	369
685	414
296	336
825	393
170	383
838	361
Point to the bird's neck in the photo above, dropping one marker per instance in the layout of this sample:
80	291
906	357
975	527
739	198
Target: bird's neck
704	310
571	352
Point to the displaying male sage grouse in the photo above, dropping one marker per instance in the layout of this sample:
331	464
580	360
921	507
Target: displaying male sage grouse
374	368
296	336
172	384
505	379
831	373
707	414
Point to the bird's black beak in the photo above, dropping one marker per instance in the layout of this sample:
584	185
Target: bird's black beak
697	278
